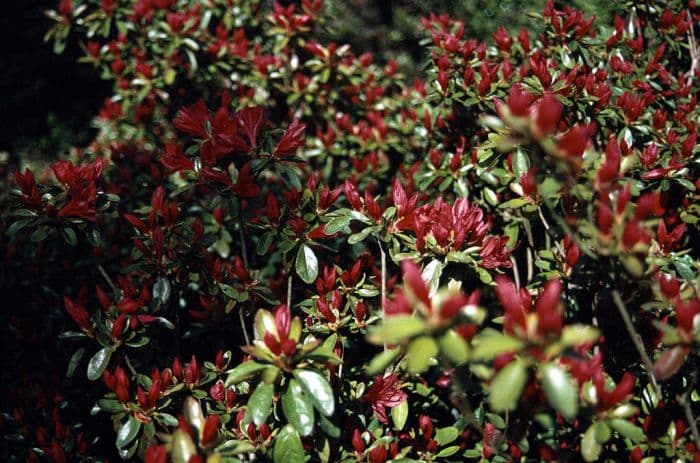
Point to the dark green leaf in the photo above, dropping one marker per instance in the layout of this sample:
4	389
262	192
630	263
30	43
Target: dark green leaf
128	432
99	362
74	361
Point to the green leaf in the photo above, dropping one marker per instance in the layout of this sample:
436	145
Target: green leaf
259	404
360	236
74	361
399	415
382	360
298	408
490	344
590	447
288	447
69	236
328	427
454	347
264	243
419	353
128	432
306	264
397	328
161	290
572	335
182	447
243	371
99	362
318	389
628	430
110	405
560	390
521	163
444	436
506	387
337	224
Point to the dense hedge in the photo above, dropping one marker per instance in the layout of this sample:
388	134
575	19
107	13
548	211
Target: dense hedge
277	249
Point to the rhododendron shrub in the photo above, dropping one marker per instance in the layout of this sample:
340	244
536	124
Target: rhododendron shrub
278	249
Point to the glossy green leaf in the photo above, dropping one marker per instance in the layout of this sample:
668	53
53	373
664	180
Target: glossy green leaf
288	447
306	264
99	362
298	408
259	404
128	432
318	389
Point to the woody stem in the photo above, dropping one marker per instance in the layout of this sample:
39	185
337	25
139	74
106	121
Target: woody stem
383	283
108	279
637	341
244	255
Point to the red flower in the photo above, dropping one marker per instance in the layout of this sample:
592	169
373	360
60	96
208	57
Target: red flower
156	454
251	120
608	399
211	429
174	158
547	113
574	142
78	313
494	252
292	140
384	393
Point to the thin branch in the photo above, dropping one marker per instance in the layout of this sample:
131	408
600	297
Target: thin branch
382	255
516	272
289	292
693	45
462	402
637	341
244	255
530	246
684	400
108	279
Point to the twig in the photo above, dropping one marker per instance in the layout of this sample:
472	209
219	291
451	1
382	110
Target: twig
547	228
637	341
516	272
244	255
530	245
108	279
693	45
382	261
684	400
289	292
462	403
